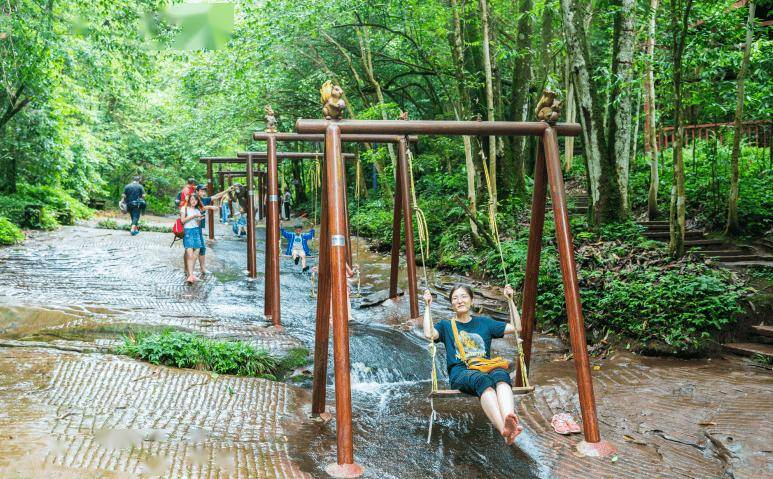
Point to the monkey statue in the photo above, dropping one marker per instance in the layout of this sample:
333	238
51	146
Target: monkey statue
333	103
270	119
549	108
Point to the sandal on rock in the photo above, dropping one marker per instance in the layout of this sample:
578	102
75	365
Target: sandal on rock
564	423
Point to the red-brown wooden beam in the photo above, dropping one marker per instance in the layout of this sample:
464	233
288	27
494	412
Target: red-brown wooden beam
319	138
272	230
322	329
334	164
533	252
438	127
252	269
410	255
394	268
210	192
571	288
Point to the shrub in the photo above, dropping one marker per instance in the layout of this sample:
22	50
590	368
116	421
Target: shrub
52	200
186	350
111	224
9	232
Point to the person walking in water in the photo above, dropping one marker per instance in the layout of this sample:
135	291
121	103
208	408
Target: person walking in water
287	202
298	245
471	370
191	215
134	198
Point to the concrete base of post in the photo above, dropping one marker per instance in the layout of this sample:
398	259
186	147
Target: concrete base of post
344	470
596	449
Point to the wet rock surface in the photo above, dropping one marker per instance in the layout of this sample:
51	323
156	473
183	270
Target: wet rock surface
74	414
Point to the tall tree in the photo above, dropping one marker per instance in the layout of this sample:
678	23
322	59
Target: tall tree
514	155
650	131
602	173
492	141
620	118
680	15
732	201
463	107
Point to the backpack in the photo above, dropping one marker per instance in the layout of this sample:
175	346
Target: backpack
177	229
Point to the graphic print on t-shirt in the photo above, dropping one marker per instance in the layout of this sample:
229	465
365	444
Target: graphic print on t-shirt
473	345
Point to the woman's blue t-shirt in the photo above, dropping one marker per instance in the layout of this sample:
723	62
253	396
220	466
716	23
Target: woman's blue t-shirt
475	337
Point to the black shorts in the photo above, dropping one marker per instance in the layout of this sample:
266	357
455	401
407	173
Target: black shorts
474	382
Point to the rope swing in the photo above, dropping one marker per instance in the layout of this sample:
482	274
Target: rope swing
515	318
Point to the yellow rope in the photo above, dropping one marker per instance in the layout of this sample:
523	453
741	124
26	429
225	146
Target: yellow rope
511	306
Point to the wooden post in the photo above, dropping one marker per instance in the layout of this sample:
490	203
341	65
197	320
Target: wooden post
272	227
394	269
210	192
571	288
410	256
252	268
267	272
531	276
261	212
346	219
337	228
322	331
230	203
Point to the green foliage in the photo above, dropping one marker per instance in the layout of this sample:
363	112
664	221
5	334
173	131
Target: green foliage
110	224
186	350
52	200
9	232
707	185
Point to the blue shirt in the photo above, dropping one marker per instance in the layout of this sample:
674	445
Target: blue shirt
475	337
205	201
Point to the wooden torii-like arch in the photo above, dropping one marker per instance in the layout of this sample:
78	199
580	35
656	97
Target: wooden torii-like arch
332	257
272	307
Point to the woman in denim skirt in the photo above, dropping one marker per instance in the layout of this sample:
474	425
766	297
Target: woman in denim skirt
191	215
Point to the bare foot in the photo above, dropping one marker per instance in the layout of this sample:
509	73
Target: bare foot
512	429
191	279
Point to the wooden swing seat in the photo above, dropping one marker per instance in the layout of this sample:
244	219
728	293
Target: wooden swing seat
455	393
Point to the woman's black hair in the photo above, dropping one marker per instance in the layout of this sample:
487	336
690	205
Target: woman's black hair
463	286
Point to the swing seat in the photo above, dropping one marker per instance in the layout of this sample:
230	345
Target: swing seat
455	393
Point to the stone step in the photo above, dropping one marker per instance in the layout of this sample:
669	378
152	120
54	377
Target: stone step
745	258
653	223
704	243
750	349
721	253
763	330
691	234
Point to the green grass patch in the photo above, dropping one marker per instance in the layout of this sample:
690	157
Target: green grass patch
190	351
9	232
110	224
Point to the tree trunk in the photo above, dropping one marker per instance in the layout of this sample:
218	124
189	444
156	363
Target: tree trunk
519	99
457	49
620	117
604	188
650	130
492	141
732	227
571	116
680	13
363	39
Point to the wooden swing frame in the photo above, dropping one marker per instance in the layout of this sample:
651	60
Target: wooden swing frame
332	257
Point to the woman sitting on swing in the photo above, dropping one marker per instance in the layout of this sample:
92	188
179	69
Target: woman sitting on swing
471	370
